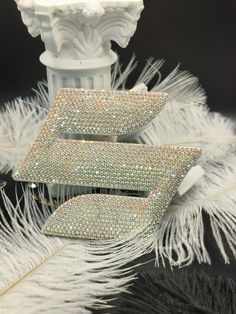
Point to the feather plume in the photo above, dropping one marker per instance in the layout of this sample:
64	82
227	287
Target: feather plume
20	122
48	274
34	267
181	233
192	125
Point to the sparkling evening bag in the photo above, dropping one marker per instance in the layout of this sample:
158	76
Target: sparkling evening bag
55	159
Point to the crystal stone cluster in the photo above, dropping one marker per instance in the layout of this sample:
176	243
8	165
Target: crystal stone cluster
124	166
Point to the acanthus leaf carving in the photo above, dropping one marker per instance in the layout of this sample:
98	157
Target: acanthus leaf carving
118	27
88	44
79	30
29	18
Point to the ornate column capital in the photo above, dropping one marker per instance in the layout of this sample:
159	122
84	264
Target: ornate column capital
78	33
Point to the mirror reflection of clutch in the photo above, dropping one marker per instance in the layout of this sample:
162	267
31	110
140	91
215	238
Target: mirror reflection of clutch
58	158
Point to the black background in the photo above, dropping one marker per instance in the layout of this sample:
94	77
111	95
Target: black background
198	34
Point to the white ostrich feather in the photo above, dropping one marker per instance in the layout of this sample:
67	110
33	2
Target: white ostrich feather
40	274
180	237
20	122
187	121
192	125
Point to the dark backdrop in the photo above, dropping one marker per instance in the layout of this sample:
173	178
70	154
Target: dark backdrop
198	34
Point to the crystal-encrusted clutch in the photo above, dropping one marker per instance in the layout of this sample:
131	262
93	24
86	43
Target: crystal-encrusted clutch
55	158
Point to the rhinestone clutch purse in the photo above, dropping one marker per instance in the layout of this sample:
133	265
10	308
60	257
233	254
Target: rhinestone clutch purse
55	159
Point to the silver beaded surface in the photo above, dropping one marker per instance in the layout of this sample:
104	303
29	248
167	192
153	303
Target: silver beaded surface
52	159
150	168
106	164
88	112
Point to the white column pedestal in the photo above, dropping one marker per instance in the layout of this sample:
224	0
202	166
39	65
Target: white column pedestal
77	36
78	75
